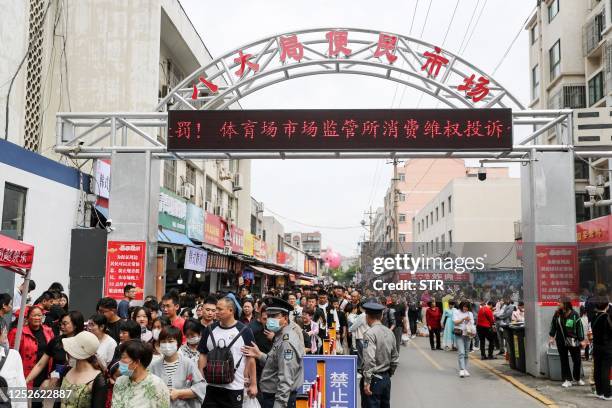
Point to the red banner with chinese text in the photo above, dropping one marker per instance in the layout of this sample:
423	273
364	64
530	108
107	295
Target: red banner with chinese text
557	273
15	254
237	239
125	265
594	231
214	230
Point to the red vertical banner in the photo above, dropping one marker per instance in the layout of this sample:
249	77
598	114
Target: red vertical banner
557	273
125	265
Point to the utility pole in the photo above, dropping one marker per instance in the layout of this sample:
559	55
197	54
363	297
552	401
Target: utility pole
395	205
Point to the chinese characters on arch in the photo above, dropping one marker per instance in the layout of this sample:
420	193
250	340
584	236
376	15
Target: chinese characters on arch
385	50
340	130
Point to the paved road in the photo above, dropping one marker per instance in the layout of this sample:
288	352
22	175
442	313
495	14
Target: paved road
430	379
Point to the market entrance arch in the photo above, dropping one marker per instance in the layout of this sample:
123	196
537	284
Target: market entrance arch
136	141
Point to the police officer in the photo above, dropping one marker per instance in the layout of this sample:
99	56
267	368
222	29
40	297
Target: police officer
380	359
283	371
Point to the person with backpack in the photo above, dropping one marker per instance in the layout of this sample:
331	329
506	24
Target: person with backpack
226	370
602	347
283	373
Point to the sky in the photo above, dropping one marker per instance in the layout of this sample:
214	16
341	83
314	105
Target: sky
331	196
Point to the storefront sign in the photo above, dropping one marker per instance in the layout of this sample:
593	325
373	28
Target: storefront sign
594	231
195	222
125	264
214	230
101	175
195	259
15	255
249	243
172	211
340	130
260	249
340	376
557	273
217	263
237	239
281	258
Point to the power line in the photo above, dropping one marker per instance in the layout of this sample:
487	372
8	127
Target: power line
312	225
413	16
474	28
468	26
512	43
451	23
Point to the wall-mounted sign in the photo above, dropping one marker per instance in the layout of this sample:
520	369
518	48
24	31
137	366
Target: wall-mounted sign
195	259
557	273
195	222
214	230
340	130
125	264
172	211
101	175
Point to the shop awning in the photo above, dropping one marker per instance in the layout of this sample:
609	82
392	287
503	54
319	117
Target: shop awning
173	237
103	211
267	271
308	278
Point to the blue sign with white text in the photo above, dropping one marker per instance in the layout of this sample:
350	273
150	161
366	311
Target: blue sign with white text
340	379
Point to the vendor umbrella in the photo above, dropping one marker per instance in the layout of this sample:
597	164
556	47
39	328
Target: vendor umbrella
17	256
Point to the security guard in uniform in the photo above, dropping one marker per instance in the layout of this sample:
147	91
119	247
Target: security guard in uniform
380	359
283	371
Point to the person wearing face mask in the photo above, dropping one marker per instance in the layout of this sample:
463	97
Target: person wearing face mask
180	374
189	350
136	387
158	325
84	384
11	367
283	372
106	349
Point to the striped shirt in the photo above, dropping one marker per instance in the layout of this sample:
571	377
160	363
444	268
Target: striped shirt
170	369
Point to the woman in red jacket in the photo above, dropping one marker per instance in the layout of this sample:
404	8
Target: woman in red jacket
34	340
432	317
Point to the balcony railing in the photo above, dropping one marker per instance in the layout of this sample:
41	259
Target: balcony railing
592	32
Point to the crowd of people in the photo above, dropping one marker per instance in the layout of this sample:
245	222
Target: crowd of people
227	349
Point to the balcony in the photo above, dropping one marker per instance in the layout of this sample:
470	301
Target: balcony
592	35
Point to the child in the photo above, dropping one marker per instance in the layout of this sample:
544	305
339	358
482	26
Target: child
311	331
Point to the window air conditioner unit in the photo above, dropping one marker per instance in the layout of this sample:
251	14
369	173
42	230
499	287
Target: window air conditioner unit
188	190
237	182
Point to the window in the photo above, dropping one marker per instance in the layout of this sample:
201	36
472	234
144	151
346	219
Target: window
402	177
170	175
450	204
401	197
535	82
553	10
402	237
554	58
431	215
596	87
190	177
422	225
219	196
582	213
574	96
402	217
442	210
437	214
581	170
253	225
450	238
533	33
13	211
209	185
427	221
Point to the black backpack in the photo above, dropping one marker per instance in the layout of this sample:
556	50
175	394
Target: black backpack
220	368
5	402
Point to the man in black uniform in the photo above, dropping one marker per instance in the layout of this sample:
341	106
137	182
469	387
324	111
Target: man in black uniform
380	359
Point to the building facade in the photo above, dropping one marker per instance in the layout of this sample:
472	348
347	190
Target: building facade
570	66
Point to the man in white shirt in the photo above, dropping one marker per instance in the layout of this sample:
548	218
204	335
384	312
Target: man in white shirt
18	291
11	367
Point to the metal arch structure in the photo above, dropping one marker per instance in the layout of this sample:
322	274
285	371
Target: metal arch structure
316	60
98	135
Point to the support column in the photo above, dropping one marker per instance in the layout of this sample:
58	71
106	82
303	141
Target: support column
134	206
548	216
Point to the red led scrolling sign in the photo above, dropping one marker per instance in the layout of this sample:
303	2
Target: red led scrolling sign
340	130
